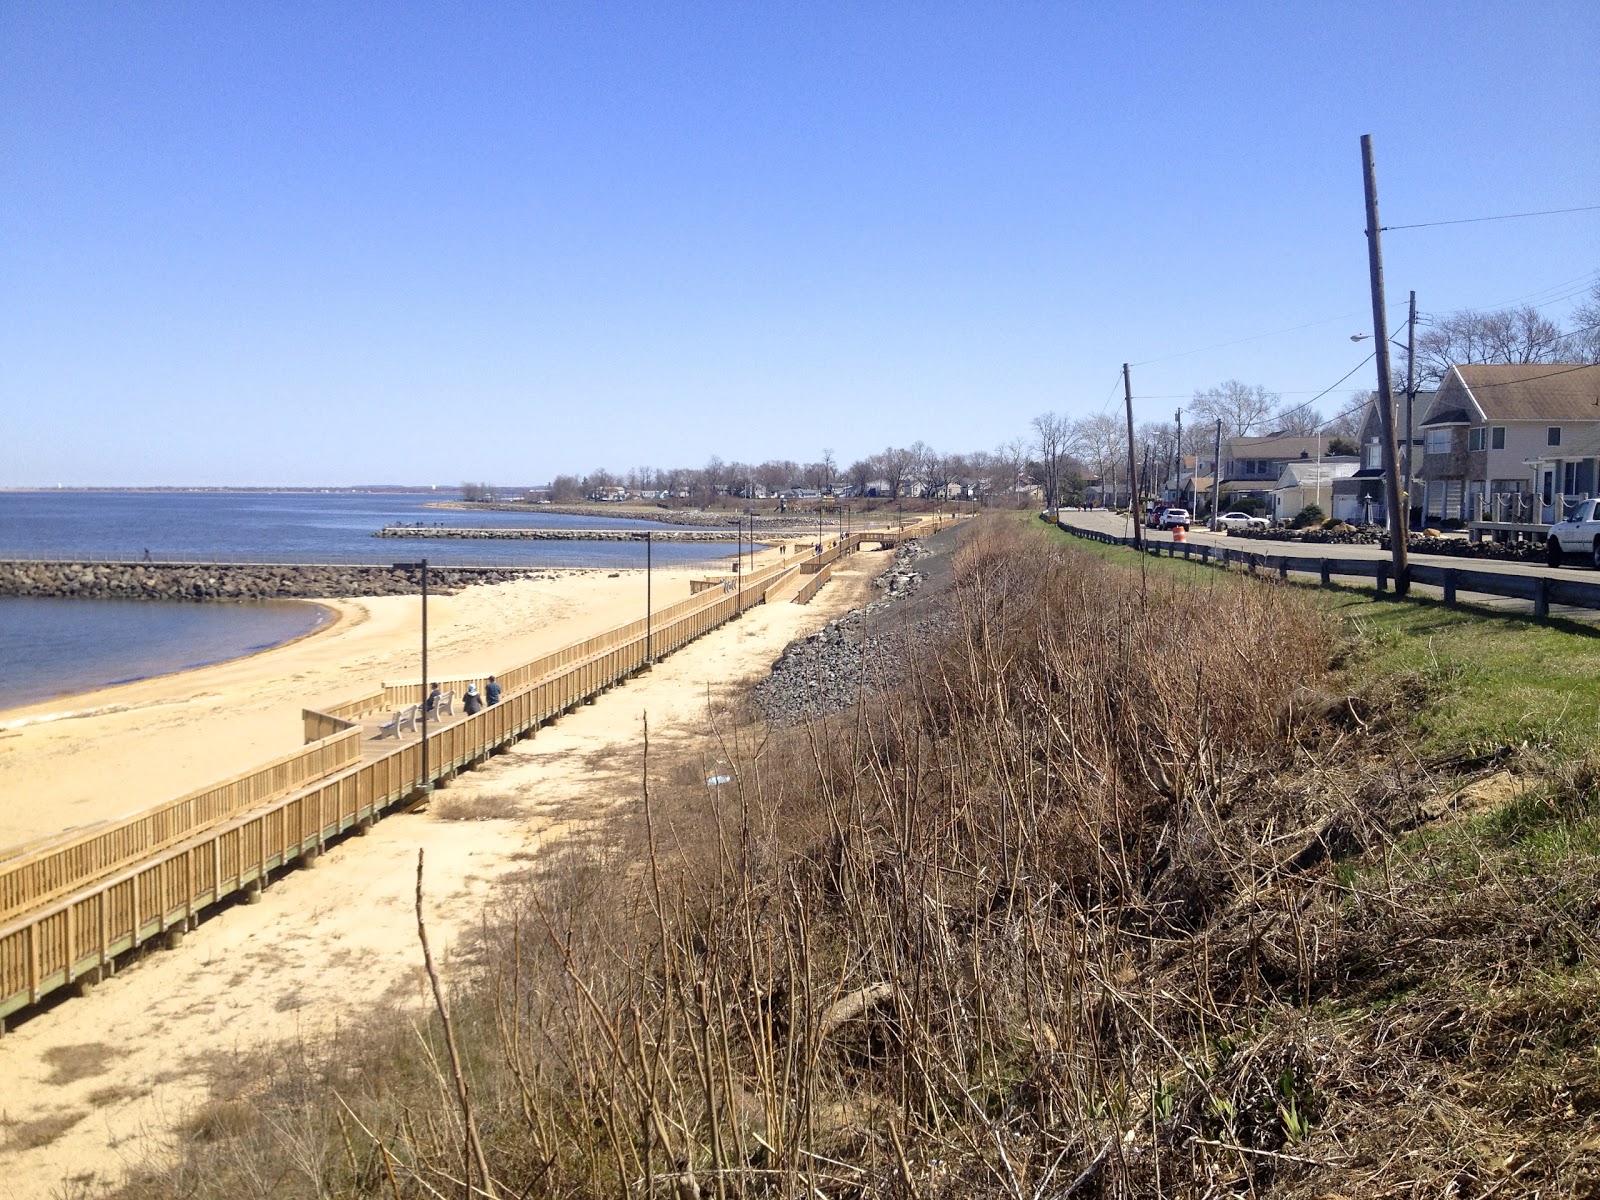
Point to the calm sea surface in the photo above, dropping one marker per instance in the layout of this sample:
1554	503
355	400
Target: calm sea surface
53	647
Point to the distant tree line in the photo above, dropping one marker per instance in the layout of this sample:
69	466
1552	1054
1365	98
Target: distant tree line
1061	456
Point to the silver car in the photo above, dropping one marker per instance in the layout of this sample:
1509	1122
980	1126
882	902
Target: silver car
1242	520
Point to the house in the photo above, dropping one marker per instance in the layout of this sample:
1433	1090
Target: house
1361	496
1501	439
1252	466
1304	483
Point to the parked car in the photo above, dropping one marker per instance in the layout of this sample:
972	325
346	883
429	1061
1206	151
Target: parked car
1580	535
1242	520
1173	517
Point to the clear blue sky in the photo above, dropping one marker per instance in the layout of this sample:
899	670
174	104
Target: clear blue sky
335	243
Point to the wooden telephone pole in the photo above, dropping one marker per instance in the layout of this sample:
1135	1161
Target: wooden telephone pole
1380	331
1133	464
1216	479
1411	396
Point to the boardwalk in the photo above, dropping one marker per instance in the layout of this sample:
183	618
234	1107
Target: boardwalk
70	906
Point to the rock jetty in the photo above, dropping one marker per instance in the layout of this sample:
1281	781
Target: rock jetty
214	581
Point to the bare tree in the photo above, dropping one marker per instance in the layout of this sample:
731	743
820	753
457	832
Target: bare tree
1013	456
830	468
1345	425
713	477
1242	408
564	489
1581	343
1299	420
476	492
895	464
1507	335
1050	432
1101	441
860	474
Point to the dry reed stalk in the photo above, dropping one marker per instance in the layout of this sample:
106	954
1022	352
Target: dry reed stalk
472	1151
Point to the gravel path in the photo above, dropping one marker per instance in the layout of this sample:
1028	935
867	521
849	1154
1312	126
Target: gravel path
870	646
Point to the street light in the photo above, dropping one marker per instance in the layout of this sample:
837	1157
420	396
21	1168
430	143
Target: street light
422	565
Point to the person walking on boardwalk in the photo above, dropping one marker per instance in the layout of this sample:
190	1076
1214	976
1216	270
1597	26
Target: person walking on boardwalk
491	691
431	705
473	702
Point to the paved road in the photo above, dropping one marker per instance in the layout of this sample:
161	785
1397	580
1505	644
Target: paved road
1122	526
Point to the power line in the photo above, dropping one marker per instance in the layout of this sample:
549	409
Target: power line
1548	212
1240	341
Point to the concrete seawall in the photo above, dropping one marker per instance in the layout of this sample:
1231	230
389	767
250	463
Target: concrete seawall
255	581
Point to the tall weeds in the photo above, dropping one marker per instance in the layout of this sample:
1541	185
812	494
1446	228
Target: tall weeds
1048	916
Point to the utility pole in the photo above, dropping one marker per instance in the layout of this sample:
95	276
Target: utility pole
1380	331
1133	463
1411	395
1216	479
1177	456
427	783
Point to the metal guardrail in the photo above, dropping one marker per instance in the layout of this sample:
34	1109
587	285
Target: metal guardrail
72	931
1541	590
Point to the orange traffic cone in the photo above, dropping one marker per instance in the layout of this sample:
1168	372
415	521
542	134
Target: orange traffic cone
1180	535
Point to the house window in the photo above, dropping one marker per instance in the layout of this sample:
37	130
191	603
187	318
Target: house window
1475	438
1497	438
1437	441
1552	436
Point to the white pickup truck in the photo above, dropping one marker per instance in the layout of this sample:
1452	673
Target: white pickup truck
1580	535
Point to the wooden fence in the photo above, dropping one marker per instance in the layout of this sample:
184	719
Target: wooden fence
812	586
71	933
1541	590
58	866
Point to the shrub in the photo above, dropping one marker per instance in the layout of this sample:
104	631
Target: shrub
1310	515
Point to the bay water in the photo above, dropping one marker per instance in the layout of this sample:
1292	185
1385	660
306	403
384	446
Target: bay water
52	647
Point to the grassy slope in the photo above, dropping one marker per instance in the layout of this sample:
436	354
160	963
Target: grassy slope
1496	679
1470	967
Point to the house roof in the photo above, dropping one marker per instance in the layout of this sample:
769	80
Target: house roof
1448	416
1310	474
1526	391
1274	446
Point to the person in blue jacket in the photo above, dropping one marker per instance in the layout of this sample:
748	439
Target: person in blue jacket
491	691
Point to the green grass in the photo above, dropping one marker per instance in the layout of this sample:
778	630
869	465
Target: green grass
1494	679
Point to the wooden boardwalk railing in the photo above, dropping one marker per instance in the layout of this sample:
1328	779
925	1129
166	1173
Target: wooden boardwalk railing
53	869
69	919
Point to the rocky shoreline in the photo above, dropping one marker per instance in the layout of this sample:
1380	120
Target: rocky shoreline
870	646
224	582
1417	543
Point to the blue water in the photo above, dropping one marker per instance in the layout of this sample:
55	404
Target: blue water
54	647
299	527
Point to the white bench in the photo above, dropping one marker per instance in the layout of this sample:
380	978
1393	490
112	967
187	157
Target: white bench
404	721
446	706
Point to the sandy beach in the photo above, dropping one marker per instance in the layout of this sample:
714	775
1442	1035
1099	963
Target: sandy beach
96	1084
98	756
